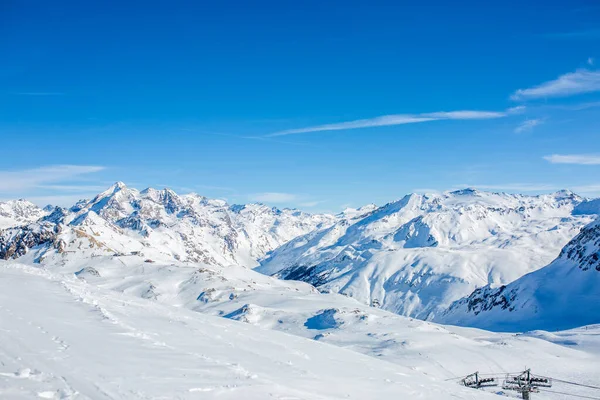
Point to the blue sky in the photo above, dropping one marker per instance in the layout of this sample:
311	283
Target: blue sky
316	105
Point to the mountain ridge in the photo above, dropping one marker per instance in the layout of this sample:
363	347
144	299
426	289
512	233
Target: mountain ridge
416	255
561	295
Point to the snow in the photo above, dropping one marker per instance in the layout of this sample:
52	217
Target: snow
150	295
588	207
417	255
19	212
562	295
64	339
254	337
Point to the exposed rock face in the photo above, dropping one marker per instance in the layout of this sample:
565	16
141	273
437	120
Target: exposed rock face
15	242
163	226
584	249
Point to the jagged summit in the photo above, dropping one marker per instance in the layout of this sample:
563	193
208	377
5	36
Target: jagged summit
413	256
19	212
114	188
188	228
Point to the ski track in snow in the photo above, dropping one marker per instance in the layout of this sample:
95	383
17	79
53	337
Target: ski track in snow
64	339
61	338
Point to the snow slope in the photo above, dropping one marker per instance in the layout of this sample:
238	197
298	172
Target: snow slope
150	257
417	255
563	295
72	327
64	339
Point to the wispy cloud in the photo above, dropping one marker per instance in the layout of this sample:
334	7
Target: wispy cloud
590	61
516	110
573	83
19	181
580	159
273	197
528	125
398	119
587	190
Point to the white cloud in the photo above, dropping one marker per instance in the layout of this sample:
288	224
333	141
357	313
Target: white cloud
273	197
590	61
528	125
19	181
516	110
581	159
587	190
386	120
466	114
578	82
397	119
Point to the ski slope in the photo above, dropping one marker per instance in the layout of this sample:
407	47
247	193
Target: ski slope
147	309
65	339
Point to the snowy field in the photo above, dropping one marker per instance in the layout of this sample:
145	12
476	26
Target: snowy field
64	338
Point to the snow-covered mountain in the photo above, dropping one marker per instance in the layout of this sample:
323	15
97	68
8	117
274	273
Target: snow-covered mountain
417	255
161	225
131	266
19	212
564	294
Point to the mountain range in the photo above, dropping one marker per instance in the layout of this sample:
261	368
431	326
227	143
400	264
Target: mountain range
450	257
165	279
418	255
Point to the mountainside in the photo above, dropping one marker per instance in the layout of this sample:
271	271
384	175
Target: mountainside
160	225
143	261
414	257
140	315
417	255
563	295
19	212
64	339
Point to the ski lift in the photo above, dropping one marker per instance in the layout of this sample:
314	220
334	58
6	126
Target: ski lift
475	381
